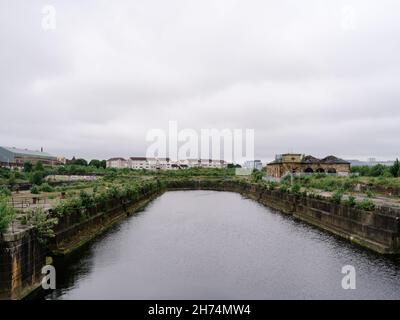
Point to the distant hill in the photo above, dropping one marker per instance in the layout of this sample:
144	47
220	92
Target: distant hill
370	163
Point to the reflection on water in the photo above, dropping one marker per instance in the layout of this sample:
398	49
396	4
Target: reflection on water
219	245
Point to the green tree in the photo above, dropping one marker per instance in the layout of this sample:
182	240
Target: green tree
80	162
233	166
378	170
95	163
28	166
361	170
395	169
11	179
39	166
37	178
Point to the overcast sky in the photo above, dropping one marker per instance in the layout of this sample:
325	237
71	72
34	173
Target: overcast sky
310	76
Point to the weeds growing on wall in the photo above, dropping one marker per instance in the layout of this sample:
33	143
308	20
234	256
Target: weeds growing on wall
7	214
42	223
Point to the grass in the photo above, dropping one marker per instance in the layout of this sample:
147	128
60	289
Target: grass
373	185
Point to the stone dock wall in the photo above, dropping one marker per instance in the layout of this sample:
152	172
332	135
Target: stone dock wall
21	260
22	257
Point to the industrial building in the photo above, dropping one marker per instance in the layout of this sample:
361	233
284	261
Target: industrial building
299	164
13	157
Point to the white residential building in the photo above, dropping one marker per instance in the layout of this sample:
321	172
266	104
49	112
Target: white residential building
163	163
138	163
218	164
193	163
210	163
118	163
149	163
204	163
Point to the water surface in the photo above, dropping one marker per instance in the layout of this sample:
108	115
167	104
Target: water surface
219	245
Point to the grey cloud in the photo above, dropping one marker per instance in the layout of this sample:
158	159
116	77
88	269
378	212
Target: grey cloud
288	69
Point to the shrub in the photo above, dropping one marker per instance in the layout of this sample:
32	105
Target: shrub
257	175
43	224
272	185
311	194
284	188
369	193
35	189
7	214
351	201
366	204
87	200
45	187
337	197
295	188
4	191
12	179
68	206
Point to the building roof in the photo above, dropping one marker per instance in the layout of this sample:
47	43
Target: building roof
151	159
276	161
116	159
138	158
334	160
26	152
309	159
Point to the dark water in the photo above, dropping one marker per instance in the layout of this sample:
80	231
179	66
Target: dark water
219	245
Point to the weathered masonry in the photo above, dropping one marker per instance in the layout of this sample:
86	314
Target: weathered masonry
299	164
22	257
21	261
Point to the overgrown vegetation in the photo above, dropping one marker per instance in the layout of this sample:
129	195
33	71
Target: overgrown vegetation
35	189
42	223
350	201
366	204
87	197
7	214
378	170
295	188
257	175
337	197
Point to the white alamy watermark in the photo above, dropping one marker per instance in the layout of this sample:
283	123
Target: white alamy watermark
349	280
49	279
230	145
349	18
49	21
